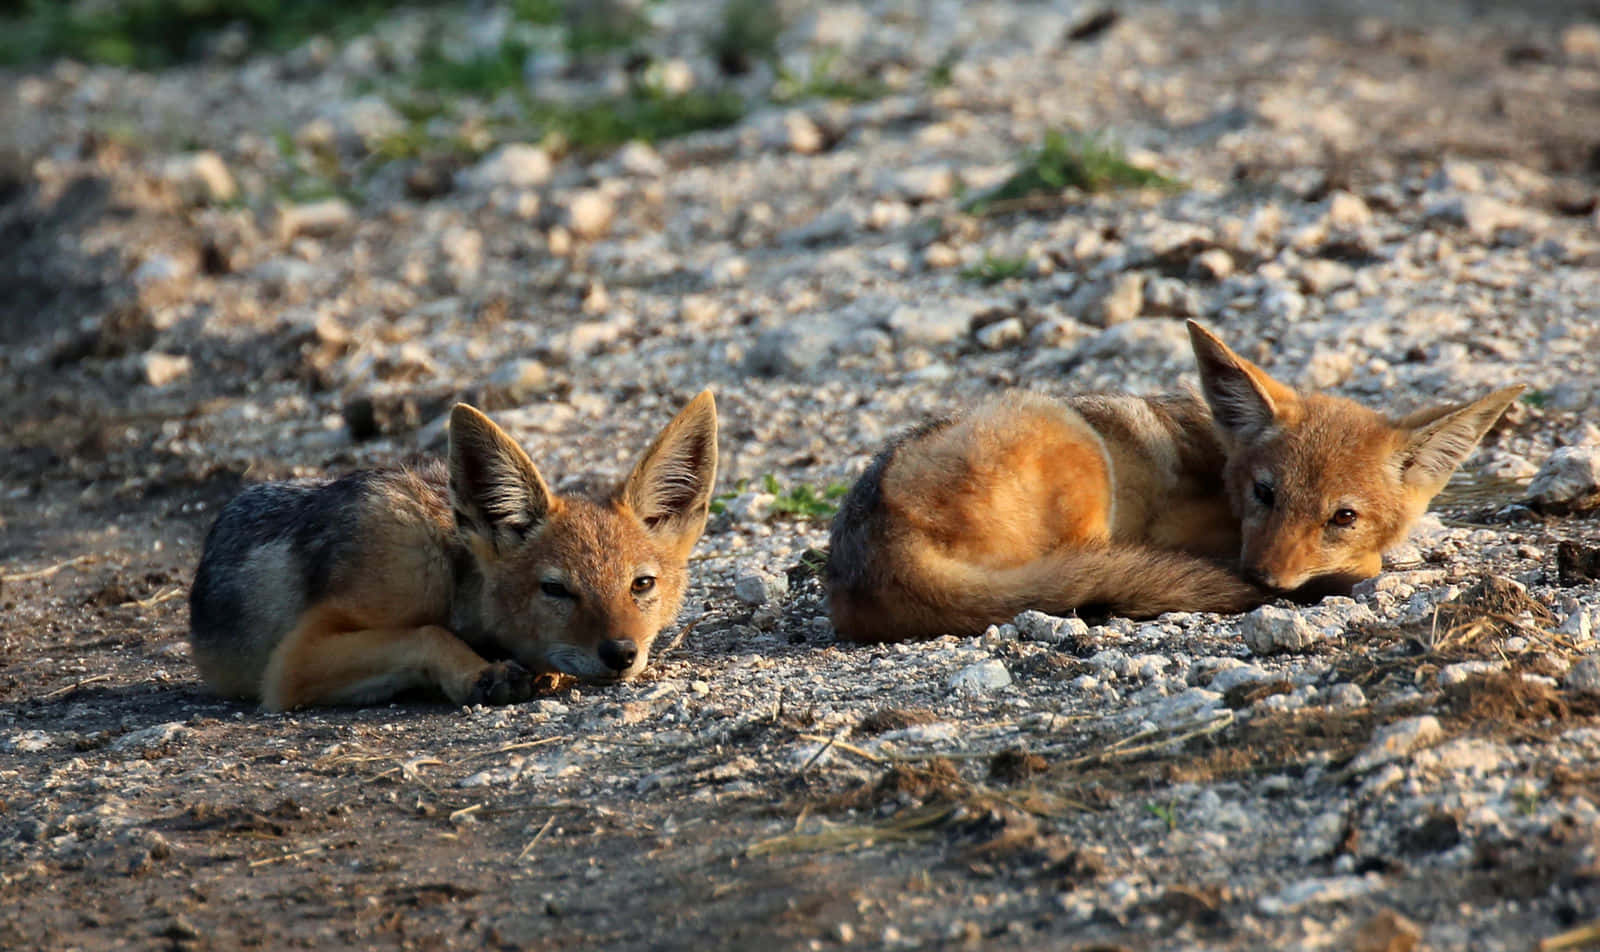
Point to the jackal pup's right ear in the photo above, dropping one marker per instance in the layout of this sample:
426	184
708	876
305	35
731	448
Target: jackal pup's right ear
496	491
670	487
1244	399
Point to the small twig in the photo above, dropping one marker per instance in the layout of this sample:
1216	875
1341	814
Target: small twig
73	687
682	633
1573	938
836	742
288	856
411	769
1117	750
45	572
537	837
521	745
465	812
820	751
155	599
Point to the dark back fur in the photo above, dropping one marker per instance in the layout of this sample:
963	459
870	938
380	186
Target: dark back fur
316	519
861	518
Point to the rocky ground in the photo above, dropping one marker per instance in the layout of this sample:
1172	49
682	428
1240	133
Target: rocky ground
292	263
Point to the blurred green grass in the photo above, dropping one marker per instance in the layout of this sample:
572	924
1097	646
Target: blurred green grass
155	33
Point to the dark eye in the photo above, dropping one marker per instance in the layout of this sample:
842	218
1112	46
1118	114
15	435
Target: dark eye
1264	494
1343	518
644	584
555	590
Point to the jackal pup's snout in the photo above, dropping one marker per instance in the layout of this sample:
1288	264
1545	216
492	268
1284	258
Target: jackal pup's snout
576	585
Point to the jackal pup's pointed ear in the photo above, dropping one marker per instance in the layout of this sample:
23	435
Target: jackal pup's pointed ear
670	487
495	489
1243	398
1439	438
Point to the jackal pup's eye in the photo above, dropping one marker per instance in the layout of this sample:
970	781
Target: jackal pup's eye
1264	493
1343	518
555	590
644	584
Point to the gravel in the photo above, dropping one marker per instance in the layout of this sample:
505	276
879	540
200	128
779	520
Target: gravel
1397	213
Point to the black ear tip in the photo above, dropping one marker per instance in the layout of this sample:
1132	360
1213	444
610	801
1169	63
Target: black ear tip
465	415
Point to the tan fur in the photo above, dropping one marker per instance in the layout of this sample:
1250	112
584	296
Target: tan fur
994	469
1138	505
431	583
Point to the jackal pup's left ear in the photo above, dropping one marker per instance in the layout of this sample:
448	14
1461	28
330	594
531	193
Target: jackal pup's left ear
496	491
1439	438
670	487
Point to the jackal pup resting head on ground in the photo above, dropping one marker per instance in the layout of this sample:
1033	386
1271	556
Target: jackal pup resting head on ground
1321	485
457	578
571	584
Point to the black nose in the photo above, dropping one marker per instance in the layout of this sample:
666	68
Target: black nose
618	655
1260	579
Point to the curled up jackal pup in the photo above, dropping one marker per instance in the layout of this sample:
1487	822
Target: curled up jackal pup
466	578
1137	505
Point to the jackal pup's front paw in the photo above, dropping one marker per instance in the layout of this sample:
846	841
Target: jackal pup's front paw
503	682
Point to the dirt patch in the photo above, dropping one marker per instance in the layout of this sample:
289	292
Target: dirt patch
893	719
1016	765
1577	563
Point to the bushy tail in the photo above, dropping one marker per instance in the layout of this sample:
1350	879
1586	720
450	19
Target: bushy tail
935	594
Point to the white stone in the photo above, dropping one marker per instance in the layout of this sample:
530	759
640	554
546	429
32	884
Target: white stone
1584	677
1155	340
1463	755
1581	41
520	379
930	325
1037	626
313	218
1459	673
1346	696
1395	741
925	183
1171	297
160	369
462	249
1001	334
1347	212
1112	661
672	76
150	738
1458	176
1213	264
801	133
1180	710
1569	479
1270	629
750	507
589	213
638	158
939	256
760	588
200	177
1238	676
1579	625
31	742
980	678
1123	300
1480	215
361	124
159	270
514	165
1310	892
